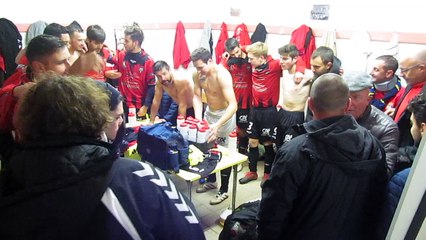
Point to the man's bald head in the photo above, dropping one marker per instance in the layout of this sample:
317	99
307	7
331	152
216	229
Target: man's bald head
329	95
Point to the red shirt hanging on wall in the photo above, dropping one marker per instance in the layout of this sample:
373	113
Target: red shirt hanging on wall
304	39
181	54
242	35
220	46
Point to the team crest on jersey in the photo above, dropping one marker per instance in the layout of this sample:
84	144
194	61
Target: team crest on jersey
140	69
266	132
242	118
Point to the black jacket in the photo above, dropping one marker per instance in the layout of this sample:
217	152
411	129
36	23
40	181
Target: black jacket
325	184
385	130
73	188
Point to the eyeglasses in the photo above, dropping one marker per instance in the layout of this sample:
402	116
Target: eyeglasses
404	70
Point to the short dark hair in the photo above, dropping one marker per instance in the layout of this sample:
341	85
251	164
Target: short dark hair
81	110
158	65
96	33
329	92
74	27
325	53
417	107
55	29
390	62
135	33
290	50
42	46
231	44
201	54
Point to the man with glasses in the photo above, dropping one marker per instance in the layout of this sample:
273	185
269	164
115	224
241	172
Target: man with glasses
413	70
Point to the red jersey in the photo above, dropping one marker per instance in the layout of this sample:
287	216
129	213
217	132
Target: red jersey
240	70
403	102
266	83
137	73
8	101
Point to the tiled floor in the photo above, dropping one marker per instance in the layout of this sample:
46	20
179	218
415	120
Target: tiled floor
209	214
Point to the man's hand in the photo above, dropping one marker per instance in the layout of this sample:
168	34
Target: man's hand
298	77
213	133
390	111
142	111
112	74
20	91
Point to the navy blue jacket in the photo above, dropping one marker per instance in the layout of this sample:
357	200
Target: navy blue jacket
74	189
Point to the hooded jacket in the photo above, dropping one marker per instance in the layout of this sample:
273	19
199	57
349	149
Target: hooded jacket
324	184
73	188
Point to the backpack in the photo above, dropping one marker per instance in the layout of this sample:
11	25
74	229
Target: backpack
241	224
163	146
10	45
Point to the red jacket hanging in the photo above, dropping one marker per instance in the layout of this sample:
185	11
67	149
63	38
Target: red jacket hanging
304	39
241	34
220	46
181	54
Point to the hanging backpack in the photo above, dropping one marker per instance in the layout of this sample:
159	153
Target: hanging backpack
241	224
10	45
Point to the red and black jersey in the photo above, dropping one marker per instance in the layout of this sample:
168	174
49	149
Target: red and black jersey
240	70
8	101
137	74
266	83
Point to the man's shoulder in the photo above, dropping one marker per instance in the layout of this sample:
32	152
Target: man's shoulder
19	77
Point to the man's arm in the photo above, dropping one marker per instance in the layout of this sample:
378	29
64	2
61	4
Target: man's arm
158	95
390	140
197	103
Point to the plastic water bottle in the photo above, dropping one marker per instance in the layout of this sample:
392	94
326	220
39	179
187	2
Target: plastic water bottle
131	118
183	129
192	133
202	135
132	109
180	119
232	143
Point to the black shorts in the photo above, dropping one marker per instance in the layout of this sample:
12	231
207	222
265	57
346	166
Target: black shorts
263	124
242	118
287	122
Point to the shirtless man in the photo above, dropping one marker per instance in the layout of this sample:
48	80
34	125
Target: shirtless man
178	86
293	94
91	64
77	44
216	82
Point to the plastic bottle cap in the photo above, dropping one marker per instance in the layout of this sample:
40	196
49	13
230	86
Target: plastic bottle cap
130	105
193	126
202	130
183	124
131	115
180	117
233	134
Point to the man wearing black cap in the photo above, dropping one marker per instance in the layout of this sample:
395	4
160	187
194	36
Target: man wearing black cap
370	117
